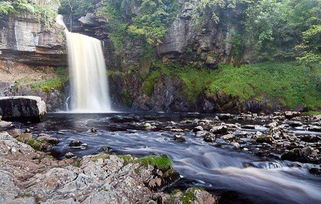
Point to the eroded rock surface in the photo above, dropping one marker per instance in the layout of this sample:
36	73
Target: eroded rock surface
22	108
28	176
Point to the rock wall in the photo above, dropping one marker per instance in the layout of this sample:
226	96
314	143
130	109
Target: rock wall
24	39
27	38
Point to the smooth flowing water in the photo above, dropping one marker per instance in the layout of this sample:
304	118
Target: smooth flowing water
254	179
87	70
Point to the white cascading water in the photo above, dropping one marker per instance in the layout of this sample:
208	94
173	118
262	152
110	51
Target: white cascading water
87	70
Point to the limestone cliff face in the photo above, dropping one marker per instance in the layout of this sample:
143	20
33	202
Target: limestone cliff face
24	38
210	45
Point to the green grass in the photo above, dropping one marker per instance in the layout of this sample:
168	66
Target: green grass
160	162
289	84
313	113
46	86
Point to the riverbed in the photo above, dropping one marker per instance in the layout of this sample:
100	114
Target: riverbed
216	165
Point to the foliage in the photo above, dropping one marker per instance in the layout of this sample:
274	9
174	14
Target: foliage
288	83
44	12
76	8
275	27
149	21
160	162
311	45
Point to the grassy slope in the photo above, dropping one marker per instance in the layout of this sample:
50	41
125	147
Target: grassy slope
289	83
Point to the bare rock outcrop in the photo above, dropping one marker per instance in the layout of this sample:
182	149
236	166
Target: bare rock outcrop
22	108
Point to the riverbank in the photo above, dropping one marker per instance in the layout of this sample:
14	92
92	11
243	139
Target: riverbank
29	176
212	152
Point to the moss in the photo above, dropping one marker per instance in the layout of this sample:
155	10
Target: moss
76	164
37	144
126	97
126	158
100	156
150	81
137	171
47	86
160	162
187	197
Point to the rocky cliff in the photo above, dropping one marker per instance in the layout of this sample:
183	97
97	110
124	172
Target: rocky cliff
23	38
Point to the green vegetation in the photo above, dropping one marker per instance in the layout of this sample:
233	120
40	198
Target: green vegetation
187	197
45	13
37	144
47	86
100	156
125	95
272	29
276	29
126	158
149	22
290	84
160	162
76	164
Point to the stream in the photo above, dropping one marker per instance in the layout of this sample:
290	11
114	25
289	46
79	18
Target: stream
256	179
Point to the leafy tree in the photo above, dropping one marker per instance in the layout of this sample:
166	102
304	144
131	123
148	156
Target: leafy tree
311	45
149	21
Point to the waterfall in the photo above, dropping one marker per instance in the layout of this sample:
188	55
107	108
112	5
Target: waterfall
87	70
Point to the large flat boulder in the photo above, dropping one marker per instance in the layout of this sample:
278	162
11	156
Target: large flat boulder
22	108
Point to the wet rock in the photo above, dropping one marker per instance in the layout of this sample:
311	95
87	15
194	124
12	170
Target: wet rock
4	125
149	126
15	132
93	130
314	128
179	138
272	124
236	145
69	155
198	128
250	127
310	138
209	138
294	123
48	138
291	114
105	149
27	130
265	139
75	143
301	155
219	129
202	133
224	116
228	137
22	108
315	171
177	130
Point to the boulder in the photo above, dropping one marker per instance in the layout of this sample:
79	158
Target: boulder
22	108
